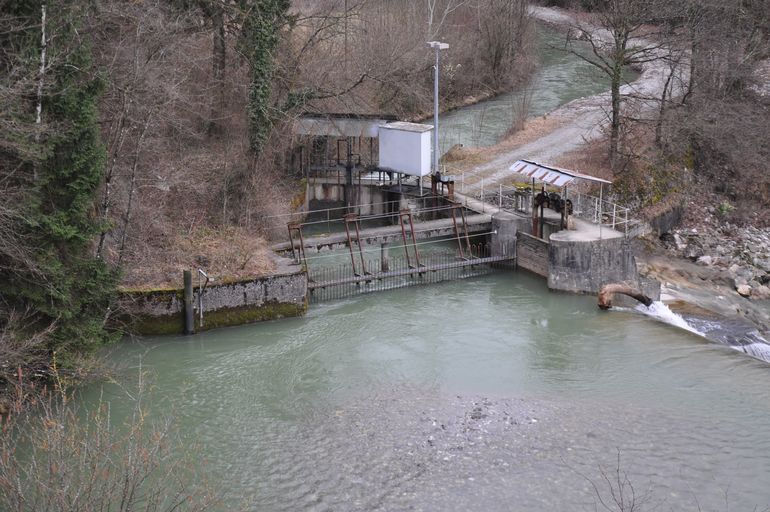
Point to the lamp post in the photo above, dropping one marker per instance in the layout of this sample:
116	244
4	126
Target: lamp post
438	47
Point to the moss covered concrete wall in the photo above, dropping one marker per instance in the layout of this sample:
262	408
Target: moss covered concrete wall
161	311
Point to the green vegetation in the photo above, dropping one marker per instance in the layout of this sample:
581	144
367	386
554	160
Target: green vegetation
260	38
52	166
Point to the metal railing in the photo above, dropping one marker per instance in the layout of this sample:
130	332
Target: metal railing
584	206
340	281
601	211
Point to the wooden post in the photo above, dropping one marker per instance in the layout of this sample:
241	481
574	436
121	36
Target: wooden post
189	319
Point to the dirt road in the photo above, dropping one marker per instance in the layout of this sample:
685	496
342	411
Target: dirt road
578	122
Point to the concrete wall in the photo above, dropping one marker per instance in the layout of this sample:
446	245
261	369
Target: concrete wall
584	266
532	254
224	304
332	195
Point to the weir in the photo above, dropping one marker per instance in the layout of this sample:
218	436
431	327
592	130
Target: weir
578	243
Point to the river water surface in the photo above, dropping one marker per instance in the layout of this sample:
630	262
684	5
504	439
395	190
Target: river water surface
483	394
559	78
488	393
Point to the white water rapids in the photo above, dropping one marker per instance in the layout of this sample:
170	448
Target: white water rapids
662	313
751	342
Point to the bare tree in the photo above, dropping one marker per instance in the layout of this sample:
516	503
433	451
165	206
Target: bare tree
617	45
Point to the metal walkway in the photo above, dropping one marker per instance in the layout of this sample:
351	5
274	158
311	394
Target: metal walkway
477	224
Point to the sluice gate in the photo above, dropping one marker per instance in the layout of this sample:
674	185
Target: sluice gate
329	283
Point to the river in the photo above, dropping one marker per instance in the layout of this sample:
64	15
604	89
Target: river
489	394
559	78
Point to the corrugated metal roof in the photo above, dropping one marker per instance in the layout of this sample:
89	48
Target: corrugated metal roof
552	175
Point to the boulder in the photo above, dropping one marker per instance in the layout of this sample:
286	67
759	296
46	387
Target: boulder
706	261
679	242
744	290
693	251
760	292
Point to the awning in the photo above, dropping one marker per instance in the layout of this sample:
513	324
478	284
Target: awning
340	125
551	175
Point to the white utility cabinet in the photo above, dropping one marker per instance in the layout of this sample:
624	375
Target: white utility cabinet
405	148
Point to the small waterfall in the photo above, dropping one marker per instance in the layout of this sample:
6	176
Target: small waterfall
758	350
737	337
662	313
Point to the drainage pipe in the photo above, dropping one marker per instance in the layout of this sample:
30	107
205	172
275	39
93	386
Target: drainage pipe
608	291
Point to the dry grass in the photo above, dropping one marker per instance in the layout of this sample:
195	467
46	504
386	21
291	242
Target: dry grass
466	158
591	158
225	254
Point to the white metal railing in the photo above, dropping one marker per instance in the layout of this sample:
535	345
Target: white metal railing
601	211
584	206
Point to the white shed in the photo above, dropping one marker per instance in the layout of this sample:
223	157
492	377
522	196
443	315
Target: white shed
405	148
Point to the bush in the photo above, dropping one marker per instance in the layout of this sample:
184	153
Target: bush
60	457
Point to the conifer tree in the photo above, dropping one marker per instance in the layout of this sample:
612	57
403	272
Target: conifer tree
52	161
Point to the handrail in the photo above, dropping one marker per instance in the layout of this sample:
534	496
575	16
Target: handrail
585	207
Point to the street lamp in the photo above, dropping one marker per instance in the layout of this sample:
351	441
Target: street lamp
438	47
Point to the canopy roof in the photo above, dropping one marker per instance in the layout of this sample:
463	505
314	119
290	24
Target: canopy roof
340	125
552	175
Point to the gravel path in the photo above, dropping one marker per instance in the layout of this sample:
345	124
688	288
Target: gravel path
582	120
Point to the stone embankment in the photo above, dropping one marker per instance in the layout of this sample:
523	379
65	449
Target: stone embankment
741	253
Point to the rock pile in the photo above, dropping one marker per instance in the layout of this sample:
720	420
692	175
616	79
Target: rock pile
742	252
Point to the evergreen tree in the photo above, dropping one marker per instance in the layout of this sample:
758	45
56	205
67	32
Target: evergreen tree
55	163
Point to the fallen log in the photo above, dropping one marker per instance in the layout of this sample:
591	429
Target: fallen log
608	291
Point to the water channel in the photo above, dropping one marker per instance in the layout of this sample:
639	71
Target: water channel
489	393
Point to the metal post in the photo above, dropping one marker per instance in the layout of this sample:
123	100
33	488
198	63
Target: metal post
457	231
435	115
626	223
291	241
360	249
201	289
350	243
438	47
500	197
401	214
414	241
601	192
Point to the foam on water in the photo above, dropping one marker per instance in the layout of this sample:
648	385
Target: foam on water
662	313
758	350
751	343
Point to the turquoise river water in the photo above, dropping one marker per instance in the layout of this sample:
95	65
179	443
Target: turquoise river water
489	393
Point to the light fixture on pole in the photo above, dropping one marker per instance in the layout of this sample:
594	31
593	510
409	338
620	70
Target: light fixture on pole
438	47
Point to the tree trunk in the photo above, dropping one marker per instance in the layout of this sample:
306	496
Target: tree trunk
615	122
663	103
132	189
40	81
219	61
